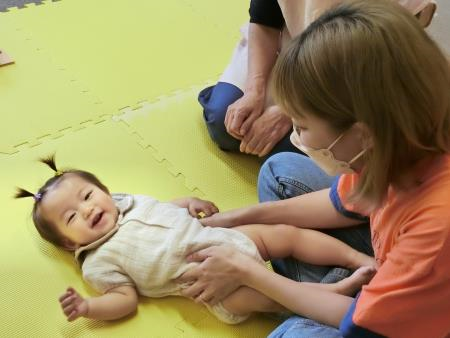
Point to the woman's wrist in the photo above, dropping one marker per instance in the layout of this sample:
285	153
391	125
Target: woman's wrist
248	215
248	267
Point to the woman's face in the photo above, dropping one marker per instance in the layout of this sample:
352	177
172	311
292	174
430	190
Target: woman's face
317	133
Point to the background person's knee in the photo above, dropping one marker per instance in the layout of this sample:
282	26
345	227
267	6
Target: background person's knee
215	101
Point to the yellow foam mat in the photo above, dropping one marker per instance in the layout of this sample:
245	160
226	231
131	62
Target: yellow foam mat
182	141
115	53
111	89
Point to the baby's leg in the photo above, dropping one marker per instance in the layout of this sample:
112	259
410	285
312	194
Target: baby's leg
245	300
309	246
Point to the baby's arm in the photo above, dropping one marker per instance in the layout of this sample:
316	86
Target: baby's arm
114	304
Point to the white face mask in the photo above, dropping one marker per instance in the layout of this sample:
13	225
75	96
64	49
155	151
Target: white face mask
324	158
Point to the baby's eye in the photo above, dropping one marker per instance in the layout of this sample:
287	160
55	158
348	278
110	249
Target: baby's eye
88	195
70	218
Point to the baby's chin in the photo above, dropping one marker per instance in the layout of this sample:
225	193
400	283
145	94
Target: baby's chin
106	226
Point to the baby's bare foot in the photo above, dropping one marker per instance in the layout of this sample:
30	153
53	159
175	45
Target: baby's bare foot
351	285
358	259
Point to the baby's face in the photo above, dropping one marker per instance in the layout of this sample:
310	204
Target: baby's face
81	211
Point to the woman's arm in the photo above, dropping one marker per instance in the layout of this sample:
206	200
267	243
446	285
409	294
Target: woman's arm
235	268
314	211
114	304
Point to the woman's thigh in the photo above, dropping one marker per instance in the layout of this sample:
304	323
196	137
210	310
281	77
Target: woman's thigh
299	327
287	175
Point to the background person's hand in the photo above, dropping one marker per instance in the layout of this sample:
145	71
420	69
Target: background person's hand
266	132
217	276
73	305
242	113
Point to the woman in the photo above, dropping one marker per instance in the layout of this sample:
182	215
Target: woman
368	94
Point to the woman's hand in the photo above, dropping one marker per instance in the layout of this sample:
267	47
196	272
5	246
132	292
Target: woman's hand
73	305
219	274
197	206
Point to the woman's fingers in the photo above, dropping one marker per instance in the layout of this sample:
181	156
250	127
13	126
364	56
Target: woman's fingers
189	276
194	290
206	297
199	256
203	298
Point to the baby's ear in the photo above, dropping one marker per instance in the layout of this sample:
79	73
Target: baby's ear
69	245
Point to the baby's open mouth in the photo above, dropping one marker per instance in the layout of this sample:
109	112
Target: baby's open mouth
97	219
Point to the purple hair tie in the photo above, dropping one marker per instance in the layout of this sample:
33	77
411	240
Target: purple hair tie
37	197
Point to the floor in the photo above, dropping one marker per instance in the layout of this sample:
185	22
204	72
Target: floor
439	29
116	95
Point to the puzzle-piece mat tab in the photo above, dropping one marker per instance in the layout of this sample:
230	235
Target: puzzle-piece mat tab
175	127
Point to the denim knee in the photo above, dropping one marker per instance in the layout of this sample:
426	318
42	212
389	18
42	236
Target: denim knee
286	175
299	327
215	101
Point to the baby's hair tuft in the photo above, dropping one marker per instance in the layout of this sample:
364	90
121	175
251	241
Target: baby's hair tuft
21	193
50	161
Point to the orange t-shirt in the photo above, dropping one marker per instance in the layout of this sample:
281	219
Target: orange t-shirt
410	294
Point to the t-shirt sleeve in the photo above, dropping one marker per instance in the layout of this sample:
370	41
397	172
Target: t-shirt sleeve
410	289
341	187
350	330
267	13
104	276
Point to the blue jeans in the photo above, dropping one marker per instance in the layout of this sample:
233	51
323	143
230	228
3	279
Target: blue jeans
287	175
215	101
299	327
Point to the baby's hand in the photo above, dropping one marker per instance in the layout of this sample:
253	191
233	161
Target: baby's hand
73	305
199	208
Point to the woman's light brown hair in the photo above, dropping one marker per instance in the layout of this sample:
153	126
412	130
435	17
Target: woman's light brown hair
371	62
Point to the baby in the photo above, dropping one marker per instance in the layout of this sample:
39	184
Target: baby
131	244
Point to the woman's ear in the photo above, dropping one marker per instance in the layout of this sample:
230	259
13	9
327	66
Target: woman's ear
364	134
426	15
